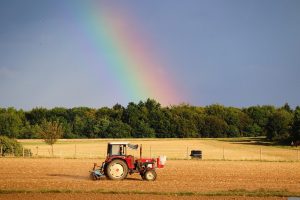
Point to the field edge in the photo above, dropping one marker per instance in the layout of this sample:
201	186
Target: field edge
236	192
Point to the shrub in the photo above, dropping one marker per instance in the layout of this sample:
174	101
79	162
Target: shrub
12	146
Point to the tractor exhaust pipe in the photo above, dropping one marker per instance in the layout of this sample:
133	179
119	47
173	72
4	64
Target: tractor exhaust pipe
141	150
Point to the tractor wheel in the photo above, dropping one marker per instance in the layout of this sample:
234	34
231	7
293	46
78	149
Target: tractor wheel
105	170
150	175
116	170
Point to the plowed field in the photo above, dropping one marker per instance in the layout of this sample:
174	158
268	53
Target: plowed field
179	177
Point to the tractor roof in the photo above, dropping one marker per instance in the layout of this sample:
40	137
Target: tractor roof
132	146
125	143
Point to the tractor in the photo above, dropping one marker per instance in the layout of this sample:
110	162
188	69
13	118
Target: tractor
118	164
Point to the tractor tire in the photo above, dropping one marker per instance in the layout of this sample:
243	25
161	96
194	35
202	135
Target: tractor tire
116	170
105	169
150	175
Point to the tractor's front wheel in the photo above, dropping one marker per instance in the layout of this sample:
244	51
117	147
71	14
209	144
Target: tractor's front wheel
150	175
116	170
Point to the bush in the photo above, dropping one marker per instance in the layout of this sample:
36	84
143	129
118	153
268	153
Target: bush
12	146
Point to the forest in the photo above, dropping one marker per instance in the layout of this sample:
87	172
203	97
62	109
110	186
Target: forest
148	119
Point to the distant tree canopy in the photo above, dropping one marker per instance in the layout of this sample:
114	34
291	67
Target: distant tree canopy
150	119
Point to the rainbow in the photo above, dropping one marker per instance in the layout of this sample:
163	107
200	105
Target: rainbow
115	37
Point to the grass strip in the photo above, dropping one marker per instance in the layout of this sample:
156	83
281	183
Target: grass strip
236	192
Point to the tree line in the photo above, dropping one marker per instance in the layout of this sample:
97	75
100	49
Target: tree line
149	119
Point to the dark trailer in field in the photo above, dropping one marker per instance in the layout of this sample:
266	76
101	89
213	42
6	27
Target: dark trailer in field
196	154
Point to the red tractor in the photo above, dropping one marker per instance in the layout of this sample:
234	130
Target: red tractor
118	164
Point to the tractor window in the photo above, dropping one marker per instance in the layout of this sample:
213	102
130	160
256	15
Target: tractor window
121	151
118	150
115	150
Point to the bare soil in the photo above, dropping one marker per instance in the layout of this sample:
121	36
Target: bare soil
177	176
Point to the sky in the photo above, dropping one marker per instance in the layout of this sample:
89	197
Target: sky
69	53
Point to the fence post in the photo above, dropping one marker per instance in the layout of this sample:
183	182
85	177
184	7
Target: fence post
298	155
187	152
260	152
23	152
150	152
75	151
223	153
13	151
1	150
37	150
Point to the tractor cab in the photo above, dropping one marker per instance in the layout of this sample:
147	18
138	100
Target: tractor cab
119	148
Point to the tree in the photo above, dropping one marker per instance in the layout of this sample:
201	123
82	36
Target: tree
37	115
186	128
136	116
185	120
253	130
216	110
142	130
149	119
118	129
260	116
117	112
287	107
10	122
279	125
101	126
29	131
51	131
160	121
82	121
214	127
233	131
296	125
237	121
79	124
133	114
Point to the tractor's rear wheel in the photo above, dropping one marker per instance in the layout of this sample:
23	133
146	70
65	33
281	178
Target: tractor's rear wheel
116	170
150	175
